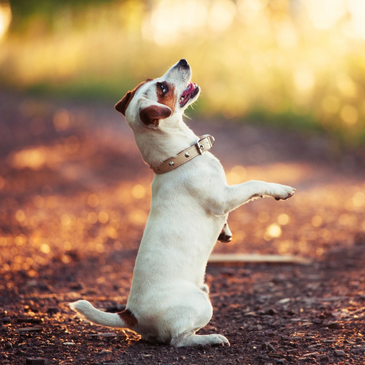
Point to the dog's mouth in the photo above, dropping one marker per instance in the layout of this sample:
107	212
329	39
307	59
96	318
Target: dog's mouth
189	93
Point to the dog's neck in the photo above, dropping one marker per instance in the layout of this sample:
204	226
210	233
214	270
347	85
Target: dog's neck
158	145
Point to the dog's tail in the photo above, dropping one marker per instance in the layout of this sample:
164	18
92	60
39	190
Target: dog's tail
124	319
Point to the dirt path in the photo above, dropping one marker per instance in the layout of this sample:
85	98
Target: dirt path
74	198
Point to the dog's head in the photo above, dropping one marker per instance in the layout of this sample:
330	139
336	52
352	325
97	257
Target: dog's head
160	99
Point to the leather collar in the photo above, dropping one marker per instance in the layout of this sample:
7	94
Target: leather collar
204	144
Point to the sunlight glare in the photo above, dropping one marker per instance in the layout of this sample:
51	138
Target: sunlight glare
221	15
137	217
103	217
250	9
272	231
67	220
45	248
138	191
317	221
359	199
20	240
357	10
319	251
111	232
284	247
286	35
173	19
304	79
5	18
324	14
283	219
33	158
344	219
92	217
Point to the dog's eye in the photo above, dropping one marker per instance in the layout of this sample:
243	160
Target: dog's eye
163	88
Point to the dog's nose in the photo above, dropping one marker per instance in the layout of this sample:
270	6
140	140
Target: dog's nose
183	63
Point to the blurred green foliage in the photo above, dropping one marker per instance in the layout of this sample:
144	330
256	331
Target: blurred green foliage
293	63
24	11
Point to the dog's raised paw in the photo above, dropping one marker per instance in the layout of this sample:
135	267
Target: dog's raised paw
284	193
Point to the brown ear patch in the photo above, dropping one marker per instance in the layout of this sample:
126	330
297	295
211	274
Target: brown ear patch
153	113
122	105
129	318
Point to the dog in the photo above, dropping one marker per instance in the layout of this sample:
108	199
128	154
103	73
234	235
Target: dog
169	301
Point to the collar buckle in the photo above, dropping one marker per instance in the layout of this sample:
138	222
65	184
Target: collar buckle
200	147
205	143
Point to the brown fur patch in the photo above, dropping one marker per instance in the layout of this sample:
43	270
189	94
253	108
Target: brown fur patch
169	98
128	317
122	105
153	113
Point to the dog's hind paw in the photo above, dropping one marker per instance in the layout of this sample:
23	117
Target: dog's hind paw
226	234
220	340
200	340
224	237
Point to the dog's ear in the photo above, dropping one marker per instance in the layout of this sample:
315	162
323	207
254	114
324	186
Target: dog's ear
151	114
122	105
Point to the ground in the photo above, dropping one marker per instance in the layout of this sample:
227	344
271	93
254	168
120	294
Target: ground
75	196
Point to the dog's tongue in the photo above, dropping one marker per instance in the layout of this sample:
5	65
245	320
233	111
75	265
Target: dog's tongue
188	90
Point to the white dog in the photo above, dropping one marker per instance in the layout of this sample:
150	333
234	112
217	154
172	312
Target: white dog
168	301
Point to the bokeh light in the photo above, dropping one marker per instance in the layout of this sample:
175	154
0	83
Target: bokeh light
5	18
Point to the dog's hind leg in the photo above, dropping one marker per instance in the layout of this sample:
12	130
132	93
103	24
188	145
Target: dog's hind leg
195	313
226	234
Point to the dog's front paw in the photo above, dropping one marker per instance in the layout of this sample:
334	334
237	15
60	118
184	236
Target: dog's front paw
283	192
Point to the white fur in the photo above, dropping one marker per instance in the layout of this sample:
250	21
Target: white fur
90	313
189	207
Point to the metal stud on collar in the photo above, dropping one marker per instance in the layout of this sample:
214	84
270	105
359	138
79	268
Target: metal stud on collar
171	163
187	154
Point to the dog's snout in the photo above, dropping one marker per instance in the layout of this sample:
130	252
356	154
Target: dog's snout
183	64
